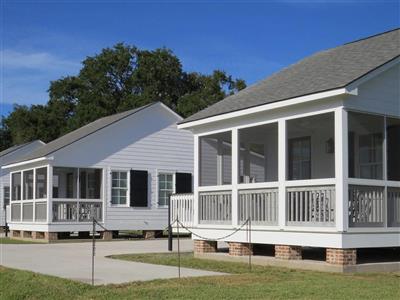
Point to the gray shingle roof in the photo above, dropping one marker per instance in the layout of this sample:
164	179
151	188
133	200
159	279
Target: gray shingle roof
15	148
326	70
79	134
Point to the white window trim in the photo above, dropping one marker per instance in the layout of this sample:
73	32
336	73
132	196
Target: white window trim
159	172
128	190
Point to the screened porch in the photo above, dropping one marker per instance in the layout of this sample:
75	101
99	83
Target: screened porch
48	194
338	169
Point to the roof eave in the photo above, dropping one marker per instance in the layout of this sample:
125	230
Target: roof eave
269	106
26	162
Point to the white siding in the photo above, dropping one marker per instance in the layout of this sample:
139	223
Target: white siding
148	140
380	95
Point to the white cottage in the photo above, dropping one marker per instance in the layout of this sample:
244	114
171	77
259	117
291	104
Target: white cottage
119	169
7	156
311	155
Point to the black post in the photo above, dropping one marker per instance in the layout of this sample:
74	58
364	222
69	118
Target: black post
169	225
250	245
179	250
6	224
93	248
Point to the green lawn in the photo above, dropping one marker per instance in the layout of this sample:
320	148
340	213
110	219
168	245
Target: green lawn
261	283
6	240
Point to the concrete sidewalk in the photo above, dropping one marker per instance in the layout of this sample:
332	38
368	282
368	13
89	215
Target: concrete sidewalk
73	261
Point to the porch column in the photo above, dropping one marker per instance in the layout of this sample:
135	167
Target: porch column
34	196
196	180
220	162
49	193
341	169
235	175
282	173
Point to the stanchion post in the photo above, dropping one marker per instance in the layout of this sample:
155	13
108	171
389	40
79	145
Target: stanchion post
250	245
169	225
179	249
6	225
93	248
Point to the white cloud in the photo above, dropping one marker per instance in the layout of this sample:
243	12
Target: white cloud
41	61
26	75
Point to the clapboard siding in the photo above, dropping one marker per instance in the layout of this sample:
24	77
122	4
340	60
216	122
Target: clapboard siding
380	94
148	140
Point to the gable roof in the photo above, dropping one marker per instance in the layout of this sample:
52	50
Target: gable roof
81	133
324	71
17	147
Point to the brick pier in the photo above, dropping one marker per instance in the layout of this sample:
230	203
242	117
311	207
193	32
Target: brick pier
288	252
204	246
343	257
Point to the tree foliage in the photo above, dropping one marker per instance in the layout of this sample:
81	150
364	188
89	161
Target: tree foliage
117	79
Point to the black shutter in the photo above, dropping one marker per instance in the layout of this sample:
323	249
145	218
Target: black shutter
183	183
138	187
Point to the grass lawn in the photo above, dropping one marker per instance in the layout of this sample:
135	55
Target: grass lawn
261	283
6	240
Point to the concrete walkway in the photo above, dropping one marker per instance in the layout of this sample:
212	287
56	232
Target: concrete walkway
73	261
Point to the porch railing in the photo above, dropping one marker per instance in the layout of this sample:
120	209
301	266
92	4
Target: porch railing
311	206
182	208
8	212
215	207
72	211
40	211
393	200
15	212
366	206
27	212
260	205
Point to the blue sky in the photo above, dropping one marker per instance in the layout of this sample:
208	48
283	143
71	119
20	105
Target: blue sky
45	40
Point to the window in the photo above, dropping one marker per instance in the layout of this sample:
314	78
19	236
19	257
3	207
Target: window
393	148
6	196
258	160
16	186
165	188
41	183
28	185
370	155
365	143
216	159
311	147
300	158
119	188
65	182
90	183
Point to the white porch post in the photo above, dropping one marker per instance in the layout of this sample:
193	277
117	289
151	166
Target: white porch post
34	196
341	169
196	180
220	162
22	196
282	173
49	193
235	175
384	169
